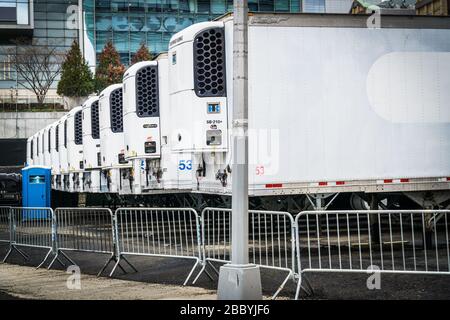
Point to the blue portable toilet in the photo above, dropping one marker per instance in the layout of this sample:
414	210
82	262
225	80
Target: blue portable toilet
36	186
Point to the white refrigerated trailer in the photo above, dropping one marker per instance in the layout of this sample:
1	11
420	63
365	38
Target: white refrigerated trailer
30	151
334	106
91	145
75	160
147	130
37	147
47	161
54	155
112	147
63	179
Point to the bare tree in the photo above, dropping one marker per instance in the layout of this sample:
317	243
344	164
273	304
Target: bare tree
37	66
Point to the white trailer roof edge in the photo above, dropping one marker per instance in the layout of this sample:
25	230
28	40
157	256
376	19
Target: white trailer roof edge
342	20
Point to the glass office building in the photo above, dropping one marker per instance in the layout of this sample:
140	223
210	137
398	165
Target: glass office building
129	23
44	22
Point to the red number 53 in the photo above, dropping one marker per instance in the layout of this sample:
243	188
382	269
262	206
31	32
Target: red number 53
259	170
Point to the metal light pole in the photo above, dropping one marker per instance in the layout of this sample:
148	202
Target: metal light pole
240	280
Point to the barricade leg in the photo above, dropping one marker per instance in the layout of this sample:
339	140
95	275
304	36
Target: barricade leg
117	260
105	265
117	264
299	286
281	287
192	270
56	258
203	269
45	259
129	263
213	267
67	257
12	248
308	289
6	244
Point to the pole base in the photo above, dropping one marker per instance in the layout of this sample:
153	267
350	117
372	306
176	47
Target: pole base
239	282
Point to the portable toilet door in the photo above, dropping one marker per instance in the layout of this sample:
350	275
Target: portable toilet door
36	186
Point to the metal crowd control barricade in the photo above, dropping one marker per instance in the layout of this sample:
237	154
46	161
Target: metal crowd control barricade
161	232
5	226
385	241
31	227
271	240
85	230
5	229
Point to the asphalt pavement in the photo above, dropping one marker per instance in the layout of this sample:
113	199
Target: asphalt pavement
172	272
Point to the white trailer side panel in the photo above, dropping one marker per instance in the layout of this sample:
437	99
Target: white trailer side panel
349	103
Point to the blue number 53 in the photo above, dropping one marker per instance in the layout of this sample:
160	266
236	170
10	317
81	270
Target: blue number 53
185	165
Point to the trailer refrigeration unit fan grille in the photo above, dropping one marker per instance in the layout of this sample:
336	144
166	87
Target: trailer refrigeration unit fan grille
65	133
78	128
57	138
116	110
95	124
209	63
147	102
49	139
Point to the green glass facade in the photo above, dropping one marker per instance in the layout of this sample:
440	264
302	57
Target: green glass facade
132	22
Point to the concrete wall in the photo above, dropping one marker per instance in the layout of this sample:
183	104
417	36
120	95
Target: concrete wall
25	124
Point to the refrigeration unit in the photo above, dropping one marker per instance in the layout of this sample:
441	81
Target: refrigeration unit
36	159
63	180
199	102
91	145
147	129
38	148
29	151
115	168
42	147
75	160
54	154
333	107
47	161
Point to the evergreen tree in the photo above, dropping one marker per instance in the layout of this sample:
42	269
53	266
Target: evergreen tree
141	55
109	69
76	77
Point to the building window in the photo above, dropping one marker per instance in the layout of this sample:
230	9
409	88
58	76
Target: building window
314	6
15	11
5	68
